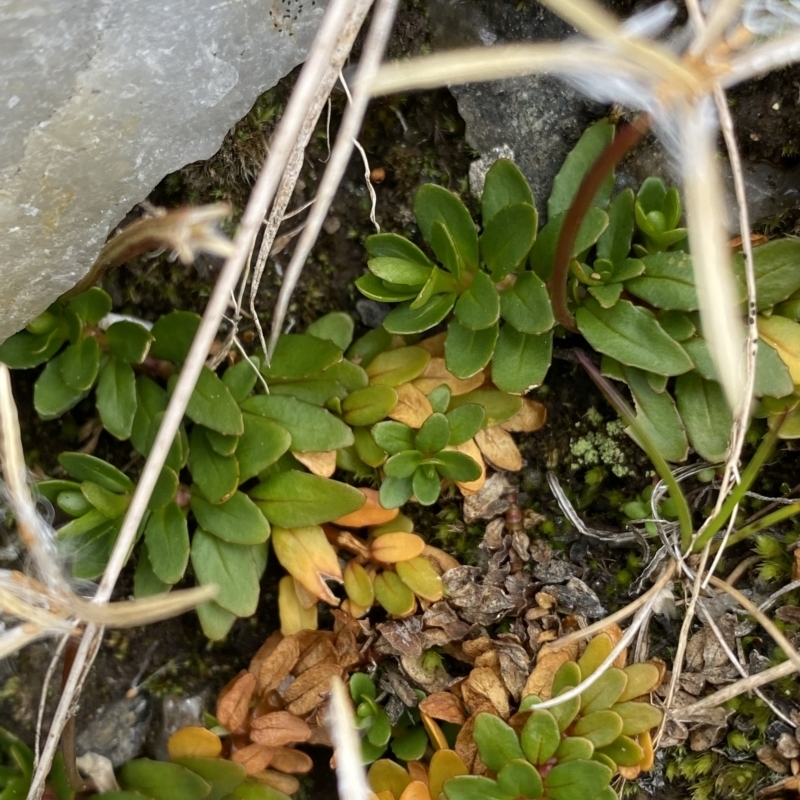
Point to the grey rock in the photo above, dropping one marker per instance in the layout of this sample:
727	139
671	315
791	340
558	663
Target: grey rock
100	99
575	597
117	730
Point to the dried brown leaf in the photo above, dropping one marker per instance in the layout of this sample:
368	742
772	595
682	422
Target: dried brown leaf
346	645
412	407
287	784
436	374
491	500
272	642
322	649
435	733
470	448
529	418
310	679
278	664
321	463
467	750
254	757
416	790
417	771
233	702
549	659
499	449
434	345
292	761
444	706
441	560
483	687
279	728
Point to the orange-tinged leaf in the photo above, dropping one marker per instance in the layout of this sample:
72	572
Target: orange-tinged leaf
278	664
482	686
194	742
416	790
388	776
287	784
412	407
444	706
306	555
441	560
445	764
254	757
645	741
358	585
499	449
435	344
393	547
354	609
292	761
278	729
304	597
436	373
420	576
371	513
471	449
629	773
319	463
417	771
273	640
293	616
529	418
435	733
233	701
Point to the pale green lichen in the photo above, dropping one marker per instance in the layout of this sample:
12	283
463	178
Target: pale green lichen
600	447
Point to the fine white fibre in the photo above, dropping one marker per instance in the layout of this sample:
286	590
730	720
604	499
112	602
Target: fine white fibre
350	775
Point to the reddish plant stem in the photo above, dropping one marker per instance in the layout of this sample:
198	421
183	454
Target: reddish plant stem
68	735
628	135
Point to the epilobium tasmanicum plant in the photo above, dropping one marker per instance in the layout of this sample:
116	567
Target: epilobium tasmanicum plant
631	290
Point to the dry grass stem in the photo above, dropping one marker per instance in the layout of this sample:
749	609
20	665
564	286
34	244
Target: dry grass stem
350	775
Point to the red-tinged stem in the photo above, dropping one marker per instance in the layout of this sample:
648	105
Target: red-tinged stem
628	135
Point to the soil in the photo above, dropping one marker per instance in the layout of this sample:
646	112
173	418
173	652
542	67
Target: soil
413	139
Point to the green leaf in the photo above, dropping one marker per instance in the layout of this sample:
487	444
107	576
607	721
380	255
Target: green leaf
224	444
399	271
238	520
366	347
361	686
232	567
497	742
479	307
521	360
212	405
632	336
540	737
499	406
84	467
51	489
465	422
262	443
677	324
394	492
52	395
215	621
299	355
444	246
129	341
393	594
410	746
317	392
457	466
607	295
588	149
705	413
393	437
426	484
162	780
173	335
394	246
565	714
223	775
80	363
433	435
567	676
573	747
91	306
772	375
624	752
667	283
116	398
658	417
638	717
403	465
577	780
504	185
294	499
24	350
368	406
178	454
241	378
336	327
109	504
544	248
520	779
145	582
474	787
151	399
346	374
405	320
384	292
600	727
165	489
74	503
615	243
604	692
775	267
167	537
467	351
312	429
366	448
435	204
217	476
381	730
526	304
507	238
90	551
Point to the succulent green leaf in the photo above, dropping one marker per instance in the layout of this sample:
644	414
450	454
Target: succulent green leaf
521	360
426	484
84	467
91	306
215	621
151	399
393	594
384	292
772	375
116	398
167	537
467	351
624	752
497	742
403	465
434	434
465	421
241	378
504	185
520	779
312	429
51	490
294	499
677	324
577	780
80	363
165	489
565	713
388	776
368	406
298	355
366	347
499	406
637	717
439	398
223	775
643	678
212	405
216	476
604	692
607	294
479	306
457	466
361	686
444	246
52	395
439	282
367	450
394	492
599	727
596	652
775	267
145	582
615	243
398	366
394	246
705	413
507	238
74	503
163	780
381	730
540	737
24	350
108	503
237	520
173	335
632	336
567	676
262	443
393	437
411	745
129	341
317	392
222	443
667	282
526	304
336	327
232	567
435	204
474	787
398	271
573	747
405	320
